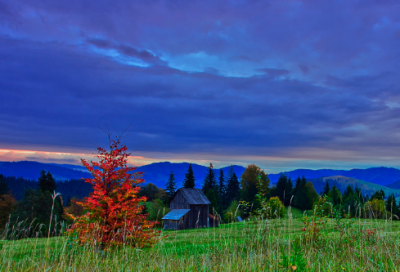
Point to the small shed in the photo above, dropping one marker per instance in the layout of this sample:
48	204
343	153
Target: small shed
189	210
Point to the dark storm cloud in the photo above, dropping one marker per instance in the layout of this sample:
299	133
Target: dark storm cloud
237	78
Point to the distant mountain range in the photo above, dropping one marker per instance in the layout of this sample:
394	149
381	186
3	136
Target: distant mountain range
378	175
31	170
158	173
342	182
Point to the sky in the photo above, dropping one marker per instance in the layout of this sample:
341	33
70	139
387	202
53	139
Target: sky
282	84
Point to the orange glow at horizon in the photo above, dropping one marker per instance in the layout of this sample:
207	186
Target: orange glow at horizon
61	157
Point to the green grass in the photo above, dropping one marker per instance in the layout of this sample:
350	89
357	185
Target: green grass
245	246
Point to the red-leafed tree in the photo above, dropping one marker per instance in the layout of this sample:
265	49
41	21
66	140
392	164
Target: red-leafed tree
114	210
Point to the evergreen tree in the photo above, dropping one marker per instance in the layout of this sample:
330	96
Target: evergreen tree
47	182
336	196
210	187
350	200
391	205
35	207
359	196
189	181
171	186
380	195
310	196
3	186
222	190
348	193
300	194
281	187
210	182
326	190
233	186
68	202
288	192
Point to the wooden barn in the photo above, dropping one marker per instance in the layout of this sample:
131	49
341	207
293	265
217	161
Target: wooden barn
189	210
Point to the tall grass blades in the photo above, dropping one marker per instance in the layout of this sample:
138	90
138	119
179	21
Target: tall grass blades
252	245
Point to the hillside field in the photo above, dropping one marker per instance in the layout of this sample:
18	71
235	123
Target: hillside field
275	245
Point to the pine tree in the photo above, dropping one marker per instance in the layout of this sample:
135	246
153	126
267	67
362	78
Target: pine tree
3	186
288	192
189	181
37	205
350	200
222	190
233	186
210	187
359	196
348	193
281	187
210	182
68	202
326	190
47	182
391	205
171	186
380	195
310	196
336	196
300	194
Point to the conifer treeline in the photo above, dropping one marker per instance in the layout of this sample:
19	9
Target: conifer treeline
225	189
222	189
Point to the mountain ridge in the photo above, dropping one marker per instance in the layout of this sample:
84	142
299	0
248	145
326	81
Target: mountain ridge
158	173
341	182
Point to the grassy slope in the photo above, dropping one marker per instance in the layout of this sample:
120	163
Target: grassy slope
246	246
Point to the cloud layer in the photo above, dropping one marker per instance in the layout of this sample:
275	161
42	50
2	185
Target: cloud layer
306	83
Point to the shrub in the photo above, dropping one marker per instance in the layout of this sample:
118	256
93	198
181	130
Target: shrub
232	212
274	208
375	208
7	203
323	206
156	210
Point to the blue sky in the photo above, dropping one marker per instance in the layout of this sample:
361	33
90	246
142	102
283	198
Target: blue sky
282	84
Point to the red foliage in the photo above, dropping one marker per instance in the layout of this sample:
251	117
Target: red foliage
114	214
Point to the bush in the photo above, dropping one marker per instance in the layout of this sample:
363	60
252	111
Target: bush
375	208
7	203
275	208
156	210
232	212
323	206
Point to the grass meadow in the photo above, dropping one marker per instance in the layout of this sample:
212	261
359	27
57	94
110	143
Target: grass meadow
253	245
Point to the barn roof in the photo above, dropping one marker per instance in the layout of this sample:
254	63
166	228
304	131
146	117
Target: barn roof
176	214
194	196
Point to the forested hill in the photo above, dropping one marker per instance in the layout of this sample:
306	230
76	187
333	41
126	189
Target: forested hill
31	170
72	188
158	173
378	175
341	182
